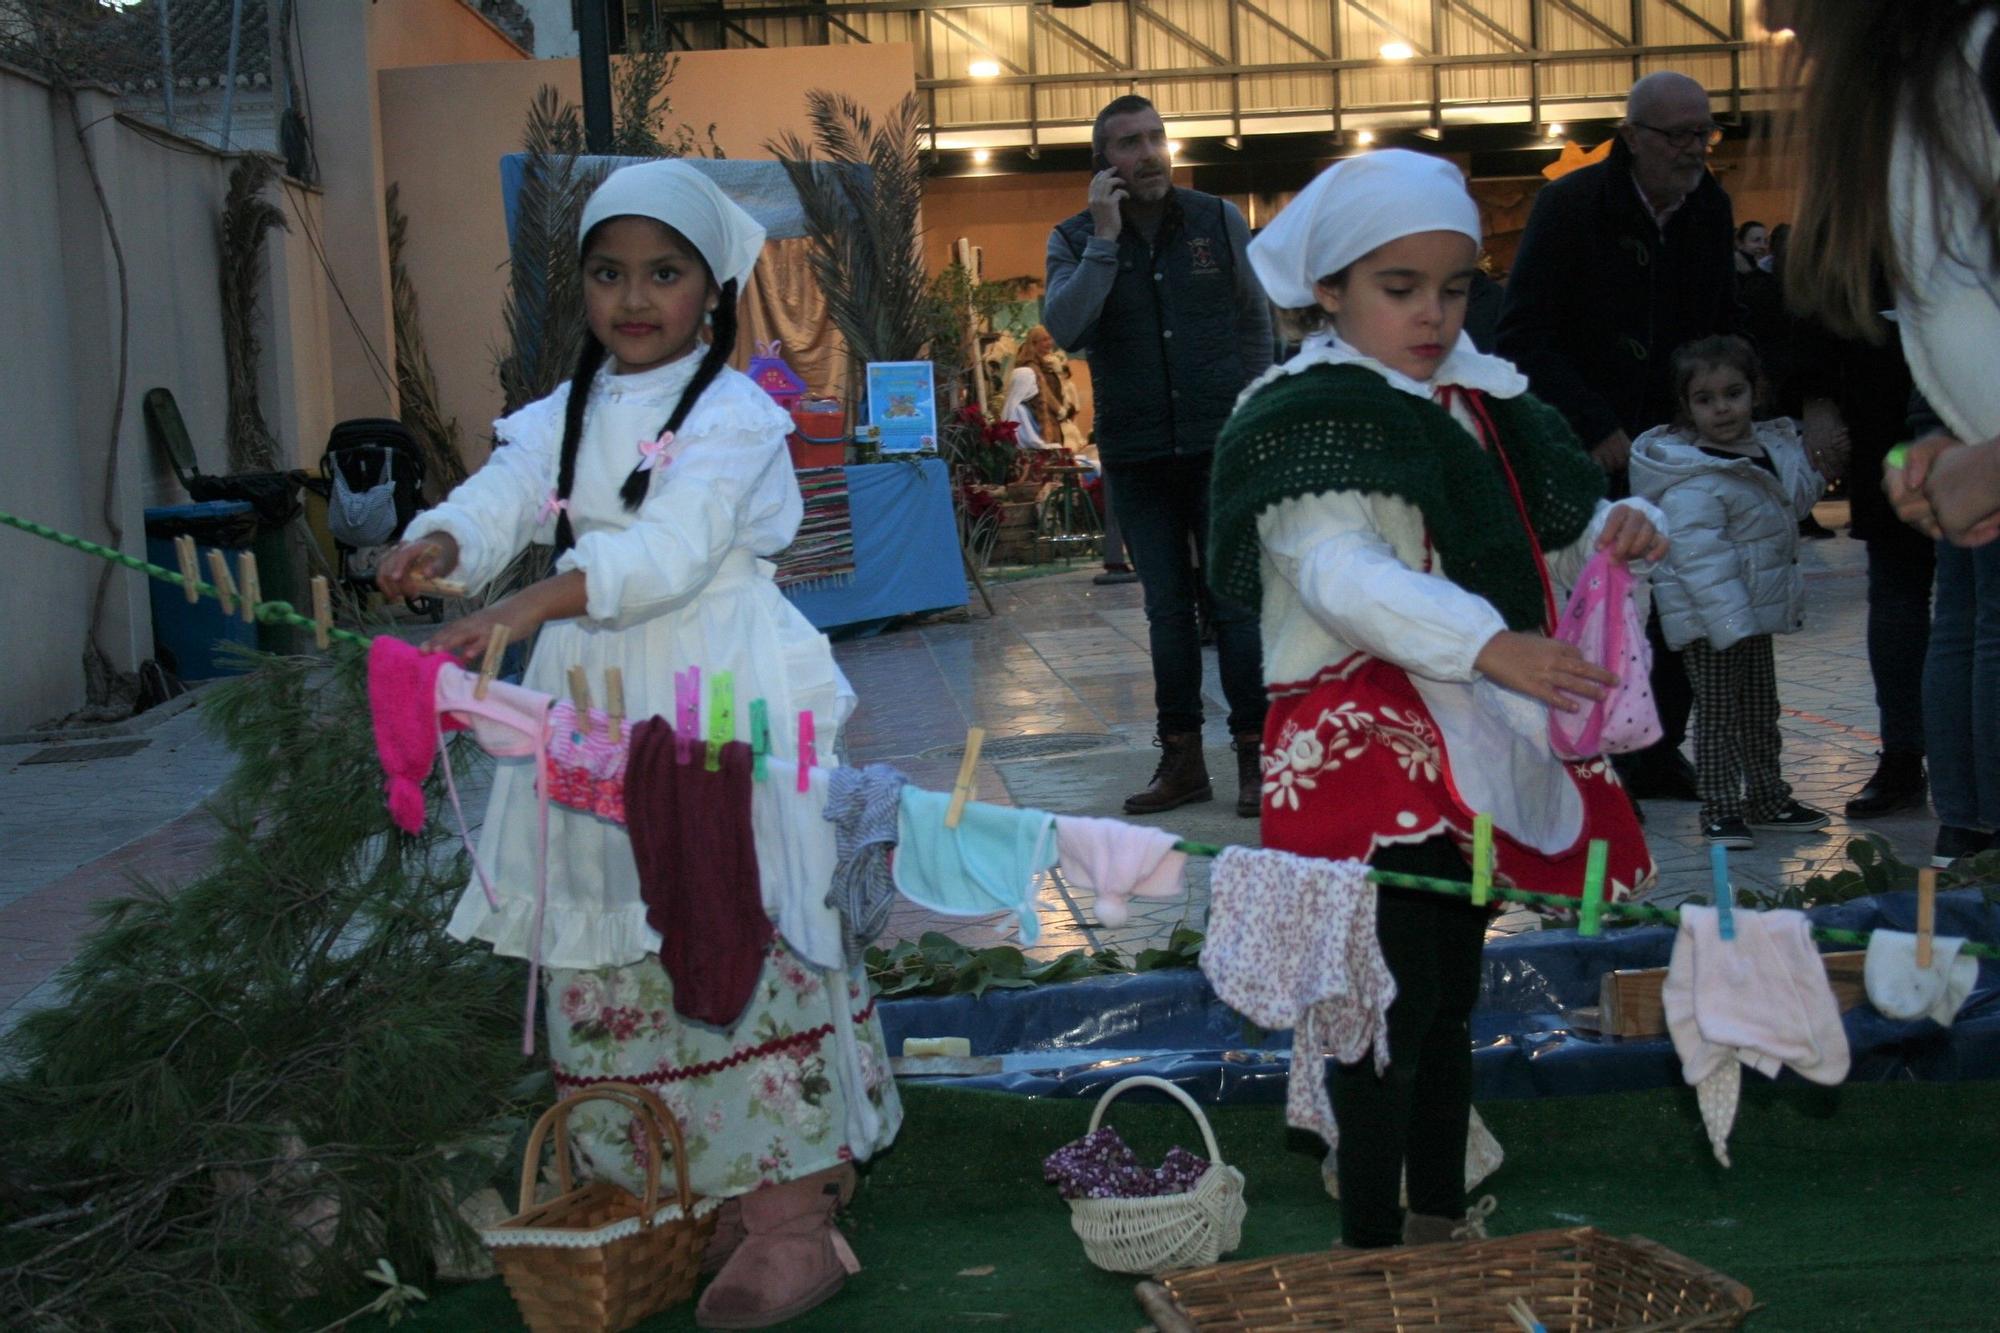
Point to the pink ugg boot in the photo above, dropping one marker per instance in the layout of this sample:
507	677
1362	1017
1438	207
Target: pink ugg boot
791	1257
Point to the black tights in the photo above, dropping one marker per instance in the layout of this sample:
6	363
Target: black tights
1417	1110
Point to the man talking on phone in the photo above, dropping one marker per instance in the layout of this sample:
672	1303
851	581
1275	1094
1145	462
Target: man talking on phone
1151	282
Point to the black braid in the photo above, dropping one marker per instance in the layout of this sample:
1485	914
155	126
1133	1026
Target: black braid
588	362
722	341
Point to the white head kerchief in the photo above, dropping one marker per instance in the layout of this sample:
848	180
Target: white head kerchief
1353	207
678	195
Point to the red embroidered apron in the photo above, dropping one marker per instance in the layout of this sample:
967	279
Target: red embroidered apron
1353	761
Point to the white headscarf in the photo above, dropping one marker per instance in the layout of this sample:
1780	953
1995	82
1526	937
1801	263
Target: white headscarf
1355	206
727	238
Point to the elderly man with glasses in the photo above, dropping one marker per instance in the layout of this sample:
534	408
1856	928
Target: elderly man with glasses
1622	262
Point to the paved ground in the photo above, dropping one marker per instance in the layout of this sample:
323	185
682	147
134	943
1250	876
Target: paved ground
1060	673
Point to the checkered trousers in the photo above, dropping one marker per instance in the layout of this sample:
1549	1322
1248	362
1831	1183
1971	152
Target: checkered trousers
1736	738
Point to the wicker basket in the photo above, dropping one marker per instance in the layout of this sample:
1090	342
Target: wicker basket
595	1259
1571	1280
1170	1230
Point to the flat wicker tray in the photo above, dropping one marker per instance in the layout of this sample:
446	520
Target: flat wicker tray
1572	1280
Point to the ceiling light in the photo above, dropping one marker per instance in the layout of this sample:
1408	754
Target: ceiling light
1396	51
984	69
981	156
1173	148
1783	35
1554	130
1365	137
1234	141
1431	132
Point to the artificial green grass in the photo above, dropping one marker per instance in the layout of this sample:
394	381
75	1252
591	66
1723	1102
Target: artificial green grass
1862	1207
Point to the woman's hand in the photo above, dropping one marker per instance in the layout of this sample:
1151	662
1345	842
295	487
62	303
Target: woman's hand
1964	493
1542	668
559	597
409	570
1905	473
1629	535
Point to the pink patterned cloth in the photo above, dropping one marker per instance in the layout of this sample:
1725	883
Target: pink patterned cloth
1291	944
586	767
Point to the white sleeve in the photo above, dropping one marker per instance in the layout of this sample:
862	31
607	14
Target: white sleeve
1021	390
495	513
699	508
1329	548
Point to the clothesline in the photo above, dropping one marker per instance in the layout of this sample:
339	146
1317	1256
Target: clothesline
280	612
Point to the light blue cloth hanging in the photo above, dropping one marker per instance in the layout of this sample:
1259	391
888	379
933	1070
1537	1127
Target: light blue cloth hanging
987	864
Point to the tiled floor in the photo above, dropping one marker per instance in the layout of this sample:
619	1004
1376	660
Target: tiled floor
1061	657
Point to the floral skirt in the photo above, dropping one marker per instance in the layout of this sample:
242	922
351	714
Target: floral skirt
758	1104
1355	762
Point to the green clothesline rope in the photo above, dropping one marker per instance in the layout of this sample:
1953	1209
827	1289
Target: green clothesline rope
282	613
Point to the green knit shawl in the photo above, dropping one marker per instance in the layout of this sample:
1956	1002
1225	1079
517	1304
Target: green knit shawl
1345	428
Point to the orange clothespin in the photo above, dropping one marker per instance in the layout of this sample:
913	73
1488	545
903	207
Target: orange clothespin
322	611
190	567
614	700
489	665
962	789
251	590
1926	914
225	587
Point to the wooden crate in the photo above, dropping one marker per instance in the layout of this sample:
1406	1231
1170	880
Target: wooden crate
1628	1000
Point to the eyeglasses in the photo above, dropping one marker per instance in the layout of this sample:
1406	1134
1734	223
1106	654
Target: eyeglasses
1709	134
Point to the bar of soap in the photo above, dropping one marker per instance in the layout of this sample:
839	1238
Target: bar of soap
955	1047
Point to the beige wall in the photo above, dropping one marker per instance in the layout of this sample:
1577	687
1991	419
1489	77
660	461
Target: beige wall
59	281
457	250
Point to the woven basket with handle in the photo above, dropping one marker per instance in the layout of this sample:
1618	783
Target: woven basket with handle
1170	1230
596	1259
1569	1280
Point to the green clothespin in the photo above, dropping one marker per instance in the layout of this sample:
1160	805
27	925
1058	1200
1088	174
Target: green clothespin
1593	888
760	738
1482	859
1899	457
721	717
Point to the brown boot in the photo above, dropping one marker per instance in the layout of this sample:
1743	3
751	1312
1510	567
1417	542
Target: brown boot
1181	778
792	1257
1249	747
728	1233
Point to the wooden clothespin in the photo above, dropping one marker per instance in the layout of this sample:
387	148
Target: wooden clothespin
687	711
248	587
225	587
614	701
1725	897
322	611
190	567
760	738
962	789
489	665
1482	859
1926	914
721	717
808	755
579	697
1592	908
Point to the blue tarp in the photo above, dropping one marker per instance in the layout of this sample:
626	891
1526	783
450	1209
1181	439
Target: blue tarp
905	548
1075	1040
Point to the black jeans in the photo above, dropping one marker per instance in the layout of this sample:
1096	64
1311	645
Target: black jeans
1162	512
1415	1112
1899	634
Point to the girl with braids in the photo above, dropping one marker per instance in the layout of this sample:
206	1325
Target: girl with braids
662	478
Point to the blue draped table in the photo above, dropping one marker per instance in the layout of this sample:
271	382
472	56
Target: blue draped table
906	556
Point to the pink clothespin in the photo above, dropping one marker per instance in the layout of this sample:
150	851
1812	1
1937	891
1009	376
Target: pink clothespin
653	453
807	755
687	711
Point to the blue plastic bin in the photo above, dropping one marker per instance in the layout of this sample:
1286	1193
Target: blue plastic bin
187	638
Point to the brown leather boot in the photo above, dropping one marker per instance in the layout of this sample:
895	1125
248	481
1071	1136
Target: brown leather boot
791	1259
1181	778
1249	747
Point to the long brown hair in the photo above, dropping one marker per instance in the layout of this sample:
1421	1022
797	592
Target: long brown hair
1862	65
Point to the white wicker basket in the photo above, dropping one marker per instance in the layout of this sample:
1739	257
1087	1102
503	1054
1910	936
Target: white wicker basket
1172	1230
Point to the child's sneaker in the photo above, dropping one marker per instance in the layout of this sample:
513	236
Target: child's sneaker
1792	817
1728	833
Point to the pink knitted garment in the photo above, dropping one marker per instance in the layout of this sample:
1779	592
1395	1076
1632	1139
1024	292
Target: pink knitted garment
402	696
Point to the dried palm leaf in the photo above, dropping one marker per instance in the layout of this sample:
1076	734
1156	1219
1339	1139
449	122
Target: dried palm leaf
246	217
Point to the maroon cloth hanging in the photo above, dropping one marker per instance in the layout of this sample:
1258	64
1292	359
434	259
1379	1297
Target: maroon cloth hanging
698	870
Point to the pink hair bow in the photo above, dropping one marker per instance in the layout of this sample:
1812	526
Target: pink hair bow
552	506
653	453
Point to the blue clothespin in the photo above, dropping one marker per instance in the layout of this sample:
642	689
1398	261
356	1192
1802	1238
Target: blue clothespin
1593	888
760	738
1725	897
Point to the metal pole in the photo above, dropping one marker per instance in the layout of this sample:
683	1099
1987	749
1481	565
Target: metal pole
167	62
594	54
229	70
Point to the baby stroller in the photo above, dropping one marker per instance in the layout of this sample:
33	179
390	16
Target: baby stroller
372	476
